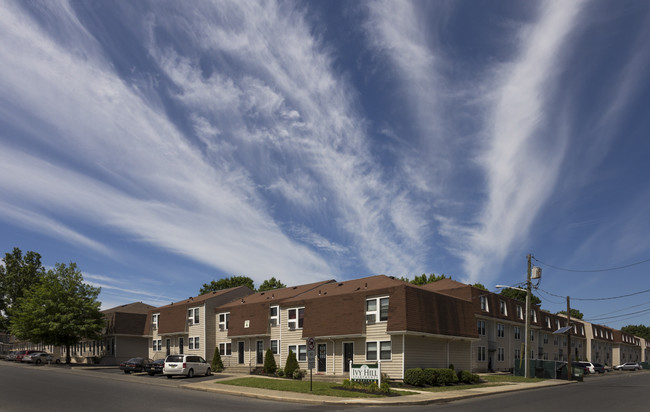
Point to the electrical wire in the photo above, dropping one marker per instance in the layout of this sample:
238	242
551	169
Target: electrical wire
621	310
591	270
607	298
620	316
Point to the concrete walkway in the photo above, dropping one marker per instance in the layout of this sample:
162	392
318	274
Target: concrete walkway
420	398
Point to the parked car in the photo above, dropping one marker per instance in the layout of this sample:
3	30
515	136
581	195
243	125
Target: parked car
134	365
581	365
590	367
11	356
155	367
187	365
628	366
598	368
21	354
41	357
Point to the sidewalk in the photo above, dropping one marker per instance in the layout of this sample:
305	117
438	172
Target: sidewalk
421	398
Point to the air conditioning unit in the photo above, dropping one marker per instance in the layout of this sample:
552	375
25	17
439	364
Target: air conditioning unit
371	318
190	322
222	327
154	326
273	322
292	325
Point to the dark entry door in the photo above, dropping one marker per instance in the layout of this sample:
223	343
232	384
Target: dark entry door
322	357
168	344
181	344
240	351
260	352
348	353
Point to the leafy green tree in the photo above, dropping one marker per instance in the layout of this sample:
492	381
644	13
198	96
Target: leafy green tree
480	286
423	279
520	295
575	313
270	284
217	363
16	275
269	362
641	331
60	310
291	364
227	283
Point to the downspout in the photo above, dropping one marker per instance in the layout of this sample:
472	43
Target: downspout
403	354
448	342
333	357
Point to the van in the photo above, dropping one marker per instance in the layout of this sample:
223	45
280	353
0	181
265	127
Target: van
186	365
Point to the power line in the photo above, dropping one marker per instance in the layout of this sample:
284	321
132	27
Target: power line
590	270
621	310
620	316
607	298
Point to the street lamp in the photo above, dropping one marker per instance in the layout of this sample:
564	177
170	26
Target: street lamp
527	329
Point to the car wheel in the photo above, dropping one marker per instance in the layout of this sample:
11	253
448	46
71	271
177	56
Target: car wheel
208	372
57	361
190	373
38	361
126	372
151	374
168	376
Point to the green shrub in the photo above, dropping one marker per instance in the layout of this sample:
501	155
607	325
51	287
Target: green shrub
269	362
430	376
291	365
468	377
217	364
347	383
385	378
414	377
298	374
446	377
451	366
384	388
280	372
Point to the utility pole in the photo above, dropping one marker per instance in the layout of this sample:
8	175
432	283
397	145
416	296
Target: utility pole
527	329
569	367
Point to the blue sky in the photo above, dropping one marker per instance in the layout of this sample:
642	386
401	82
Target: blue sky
164	144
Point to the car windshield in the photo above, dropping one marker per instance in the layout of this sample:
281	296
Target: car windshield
174	358
134	360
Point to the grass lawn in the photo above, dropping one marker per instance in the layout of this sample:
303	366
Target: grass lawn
319	388
510	378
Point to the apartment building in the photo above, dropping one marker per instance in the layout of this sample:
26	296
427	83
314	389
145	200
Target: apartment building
187	326
374	319
625	348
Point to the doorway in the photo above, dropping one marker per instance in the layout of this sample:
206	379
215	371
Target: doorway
348	355
181	344
240	352
322	357
168	345
260	352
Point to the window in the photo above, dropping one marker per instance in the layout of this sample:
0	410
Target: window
377	310
300	351
481	353
548	322
225	349
274	315
481	327
385	350
517	332
193	316
154	320
533	316
156	344
555	340
296	318
557	324
532	335
501	330
520	312
501	354
484	304
503	308
193	343
224	321
517	354
275	346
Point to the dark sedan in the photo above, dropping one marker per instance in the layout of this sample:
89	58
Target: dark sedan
155	367
135	365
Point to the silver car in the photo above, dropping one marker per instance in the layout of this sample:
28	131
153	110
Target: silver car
628	366
186	365
40	357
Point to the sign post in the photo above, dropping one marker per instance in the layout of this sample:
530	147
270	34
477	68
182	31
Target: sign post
311	355
366	373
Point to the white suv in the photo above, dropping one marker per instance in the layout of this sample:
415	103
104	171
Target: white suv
187	365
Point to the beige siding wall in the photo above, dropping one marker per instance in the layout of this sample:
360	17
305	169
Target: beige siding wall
433	352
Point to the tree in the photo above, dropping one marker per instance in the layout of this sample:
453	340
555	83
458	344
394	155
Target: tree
270	284
60	310
291	364
641	331
480	286
16	276
575	313
423	279
217	363
227	283
269	362
520	295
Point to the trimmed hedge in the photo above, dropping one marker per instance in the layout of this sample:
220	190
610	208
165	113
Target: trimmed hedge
414	377
290	365
436	377
468	377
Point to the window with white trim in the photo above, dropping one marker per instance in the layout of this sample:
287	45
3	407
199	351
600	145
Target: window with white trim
225	349
548	322
383	347
155	318
156	345
520	312
275	346
193	316
300	351
501	330
274	315
224	320
501	354
517	354
481	353
533	316
503	308
377	309
193	343
545	338
517	331
295	318
481	327
484	304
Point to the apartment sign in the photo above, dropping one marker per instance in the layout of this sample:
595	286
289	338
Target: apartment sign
365	373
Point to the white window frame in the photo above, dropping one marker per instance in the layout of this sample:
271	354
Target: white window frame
276	350
194	343
275	319
501	354
503	307
224	320
481	353
480	323
501	330
517	354
485	307
520	312
296	321
375	315
155	320
517	332
225	349
299	350
193	316
379	351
